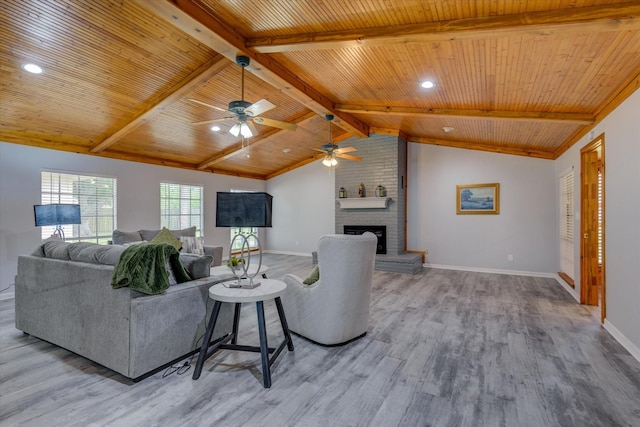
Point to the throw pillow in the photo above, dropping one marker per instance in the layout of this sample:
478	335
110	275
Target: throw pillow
165	236
187	232
197	266
314	276
192	245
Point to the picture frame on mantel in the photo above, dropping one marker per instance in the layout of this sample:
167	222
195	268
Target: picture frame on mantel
477	199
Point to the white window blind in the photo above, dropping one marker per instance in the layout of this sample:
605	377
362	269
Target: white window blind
566	224
600	226
96	196
181	206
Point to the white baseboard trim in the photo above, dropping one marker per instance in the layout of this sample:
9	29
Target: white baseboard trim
307	254
491	270
624	341
568	288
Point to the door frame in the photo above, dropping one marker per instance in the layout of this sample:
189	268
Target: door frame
596	144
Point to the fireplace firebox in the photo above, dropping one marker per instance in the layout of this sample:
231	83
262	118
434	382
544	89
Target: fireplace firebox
379	230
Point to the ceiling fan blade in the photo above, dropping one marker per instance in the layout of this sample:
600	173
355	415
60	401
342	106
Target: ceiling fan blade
348	156
345	150
206	122
206	105
275	123
259	107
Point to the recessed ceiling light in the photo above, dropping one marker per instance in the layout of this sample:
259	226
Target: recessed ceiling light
286	150
215	128
427	84
33	68
447	129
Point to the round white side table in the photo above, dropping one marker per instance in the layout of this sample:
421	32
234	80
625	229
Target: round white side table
268	289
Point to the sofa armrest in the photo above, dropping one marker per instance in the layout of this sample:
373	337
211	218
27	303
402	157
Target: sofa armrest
216	253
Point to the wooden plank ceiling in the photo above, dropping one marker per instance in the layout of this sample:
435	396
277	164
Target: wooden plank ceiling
128	79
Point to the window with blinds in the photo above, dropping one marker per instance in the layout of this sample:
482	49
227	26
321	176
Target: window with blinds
96	196
600	226
566	224
181	206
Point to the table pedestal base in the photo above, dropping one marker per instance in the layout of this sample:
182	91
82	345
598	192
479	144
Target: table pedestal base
229	341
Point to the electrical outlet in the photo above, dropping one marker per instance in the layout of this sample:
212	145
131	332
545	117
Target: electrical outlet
510	257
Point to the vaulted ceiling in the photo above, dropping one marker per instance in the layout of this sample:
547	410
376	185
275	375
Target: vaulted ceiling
131	79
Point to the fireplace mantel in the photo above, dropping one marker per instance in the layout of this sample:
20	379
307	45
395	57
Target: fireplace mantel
364	202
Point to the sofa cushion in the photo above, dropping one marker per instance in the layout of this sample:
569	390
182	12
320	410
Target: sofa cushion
84	252
165	236
56	248
94	253
148	235
188	232
110	255
192	245
120	237
198	266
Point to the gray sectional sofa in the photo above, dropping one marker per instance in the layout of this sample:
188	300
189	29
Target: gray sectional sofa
64	296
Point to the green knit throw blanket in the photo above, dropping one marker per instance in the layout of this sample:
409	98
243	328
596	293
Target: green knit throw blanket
143	267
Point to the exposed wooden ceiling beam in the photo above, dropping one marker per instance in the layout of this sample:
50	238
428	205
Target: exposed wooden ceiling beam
259	140
585	19
394	132
296	165
484	147
195	79
583	119
193	19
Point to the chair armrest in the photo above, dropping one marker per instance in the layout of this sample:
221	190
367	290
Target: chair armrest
216	253
292	279
296	281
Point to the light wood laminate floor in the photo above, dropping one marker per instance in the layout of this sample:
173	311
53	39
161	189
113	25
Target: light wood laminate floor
444	348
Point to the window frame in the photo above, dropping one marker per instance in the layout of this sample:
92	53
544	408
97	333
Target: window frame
566	224
185	216
98	208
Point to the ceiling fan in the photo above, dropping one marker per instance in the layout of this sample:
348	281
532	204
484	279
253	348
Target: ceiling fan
245	112
332	151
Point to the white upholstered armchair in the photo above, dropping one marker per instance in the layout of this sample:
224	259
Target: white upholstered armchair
335	309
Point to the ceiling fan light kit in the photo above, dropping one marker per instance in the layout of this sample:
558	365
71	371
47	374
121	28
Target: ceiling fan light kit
241	129
332	151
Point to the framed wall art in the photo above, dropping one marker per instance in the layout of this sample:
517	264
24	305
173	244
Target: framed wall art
478	199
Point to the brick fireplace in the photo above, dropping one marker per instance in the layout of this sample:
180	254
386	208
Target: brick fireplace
384	160
379	230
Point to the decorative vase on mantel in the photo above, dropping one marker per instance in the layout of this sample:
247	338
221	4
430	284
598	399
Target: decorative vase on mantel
361	190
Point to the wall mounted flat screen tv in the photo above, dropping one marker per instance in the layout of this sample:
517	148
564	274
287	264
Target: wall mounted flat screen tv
243	209
56	214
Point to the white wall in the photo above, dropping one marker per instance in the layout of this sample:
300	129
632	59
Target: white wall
304	203
525	226
303	208
138	196
622	218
